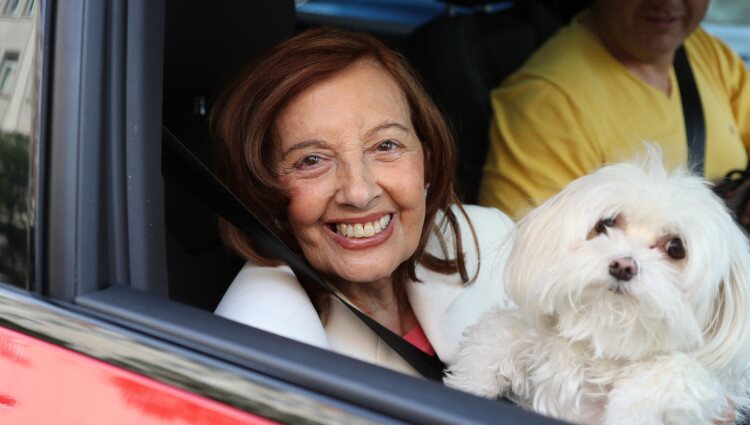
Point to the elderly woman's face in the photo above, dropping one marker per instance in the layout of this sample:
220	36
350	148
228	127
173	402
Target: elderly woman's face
647	30
354	171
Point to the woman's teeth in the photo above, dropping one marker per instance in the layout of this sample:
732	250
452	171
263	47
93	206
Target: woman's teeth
363	230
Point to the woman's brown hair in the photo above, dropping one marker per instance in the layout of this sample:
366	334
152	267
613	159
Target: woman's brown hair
243	120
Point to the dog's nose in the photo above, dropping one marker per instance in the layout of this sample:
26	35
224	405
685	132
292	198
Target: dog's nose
623	268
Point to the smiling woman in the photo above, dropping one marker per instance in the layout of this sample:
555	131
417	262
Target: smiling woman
343	154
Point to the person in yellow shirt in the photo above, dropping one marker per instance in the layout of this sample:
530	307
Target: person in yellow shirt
599	88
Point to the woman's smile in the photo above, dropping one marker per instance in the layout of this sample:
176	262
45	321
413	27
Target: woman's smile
361	233
363	227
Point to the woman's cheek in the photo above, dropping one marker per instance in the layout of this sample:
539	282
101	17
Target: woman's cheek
409	179
308	201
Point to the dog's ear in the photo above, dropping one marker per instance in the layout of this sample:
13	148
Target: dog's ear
727	333
539	239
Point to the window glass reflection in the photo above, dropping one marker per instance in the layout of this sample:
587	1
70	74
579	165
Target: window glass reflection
18	105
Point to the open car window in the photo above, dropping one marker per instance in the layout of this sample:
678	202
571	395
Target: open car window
101	256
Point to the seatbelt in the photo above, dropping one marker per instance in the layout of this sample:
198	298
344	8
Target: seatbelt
692	110
196	177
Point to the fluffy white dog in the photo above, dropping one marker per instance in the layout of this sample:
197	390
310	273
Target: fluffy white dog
633	294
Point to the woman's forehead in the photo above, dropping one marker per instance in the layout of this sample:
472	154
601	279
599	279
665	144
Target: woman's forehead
365	77
357	100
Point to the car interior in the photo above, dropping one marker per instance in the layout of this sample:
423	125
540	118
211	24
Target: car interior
199	267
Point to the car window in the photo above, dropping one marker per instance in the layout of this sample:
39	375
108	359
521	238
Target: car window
729	12
18	105
384	17
138	252
730	21
88	123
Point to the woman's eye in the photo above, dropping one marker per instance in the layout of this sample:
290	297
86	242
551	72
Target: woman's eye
603	224
309	161
387	146
675	249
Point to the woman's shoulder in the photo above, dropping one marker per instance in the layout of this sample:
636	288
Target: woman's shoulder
485	228
272	299
490	225
494	232
480	215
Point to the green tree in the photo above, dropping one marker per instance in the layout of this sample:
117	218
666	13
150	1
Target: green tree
14	219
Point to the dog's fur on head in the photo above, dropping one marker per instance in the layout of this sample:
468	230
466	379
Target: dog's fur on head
633	292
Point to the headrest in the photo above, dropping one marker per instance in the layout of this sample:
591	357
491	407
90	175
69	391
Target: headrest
206	42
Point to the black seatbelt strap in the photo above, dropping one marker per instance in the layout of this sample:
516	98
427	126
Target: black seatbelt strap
692	110
196	177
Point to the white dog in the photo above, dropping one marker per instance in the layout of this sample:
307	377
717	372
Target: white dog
633	294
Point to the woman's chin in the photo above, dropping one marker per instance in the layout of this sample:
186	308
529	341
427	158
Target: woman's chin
368	265
363	276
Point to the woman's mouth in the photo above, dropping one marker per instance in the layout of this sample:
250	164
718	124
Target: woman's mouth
362	230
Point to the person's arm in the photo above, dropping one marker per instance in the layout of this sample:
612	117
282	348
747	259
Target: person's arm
538	143
272	299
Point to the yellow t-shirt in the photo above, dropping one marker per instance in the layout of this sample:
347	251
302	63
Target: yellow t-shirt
573	108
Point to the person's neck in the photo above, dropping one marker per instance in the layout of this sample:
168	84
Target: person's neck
380	301
654	71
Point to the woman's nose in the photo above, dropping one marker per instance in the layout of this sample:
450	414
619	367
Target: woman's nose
358	186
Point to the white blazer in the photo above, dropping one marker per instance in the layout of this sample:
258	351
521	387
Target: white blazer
271	298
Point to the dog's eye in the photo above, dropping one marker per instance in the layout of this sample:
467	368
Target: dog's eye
675	248
601	226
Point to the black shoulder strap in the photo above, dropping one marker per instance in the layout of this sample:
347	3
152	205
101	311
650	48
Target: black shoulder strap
194	175
692	110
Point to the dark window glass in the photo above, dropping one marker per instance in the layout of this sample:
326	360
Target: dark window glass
18	106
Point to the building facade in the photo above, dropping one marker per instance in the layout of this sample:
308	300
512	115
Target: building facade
18	79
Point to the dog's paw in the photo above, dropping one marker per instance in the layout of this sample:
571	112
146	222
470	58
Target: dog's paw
488	385
484	365
672	389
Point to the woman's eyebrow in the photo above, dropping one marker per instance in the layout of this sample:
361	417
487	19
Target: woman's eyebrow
387	125
321	143
303	145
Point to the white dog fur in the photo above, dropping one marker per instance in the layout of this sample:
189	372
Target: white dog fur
664	342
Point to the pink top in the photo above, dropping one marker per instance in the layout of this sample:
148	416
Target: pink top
417	338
